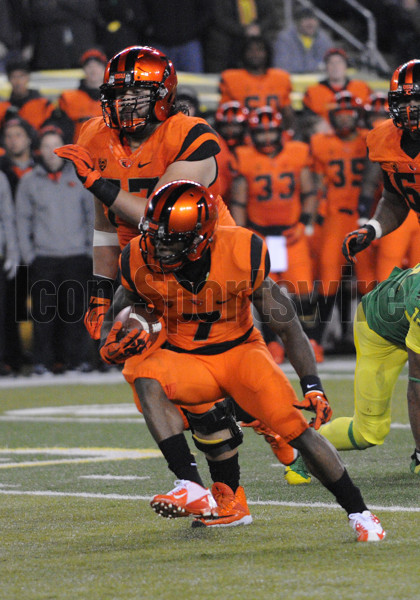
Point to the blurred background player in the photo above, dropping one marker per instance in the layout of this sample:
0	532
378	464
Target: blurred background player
274	195
83	103
230	122
339	161
257	83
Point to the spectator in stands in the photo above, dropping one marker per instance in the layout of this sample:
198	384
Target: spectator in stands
319	97
62	31
19	141
55	224
24	101
14	30
84	103
233	21
187	98
9	260
301	47
257	84
120	24
175	28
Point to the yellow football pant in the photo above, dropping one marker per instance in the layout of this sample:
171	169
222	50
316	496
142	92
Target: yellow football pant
378	365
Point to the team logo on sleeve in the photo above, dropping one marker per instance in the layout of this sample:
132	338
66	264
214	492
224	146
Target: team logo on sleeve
102	162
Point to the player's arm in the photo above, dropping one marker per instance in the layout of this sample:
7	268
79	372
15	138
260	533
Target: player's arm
127	205
278	311
390	213
309	196
122	298
106	251
239	200
372	178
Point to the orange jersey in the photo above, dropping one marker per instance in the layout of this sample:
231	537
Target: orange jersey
342	164
220	312
401	170
178	138
273	185
271	89
79	106
36	110
226	162
319	97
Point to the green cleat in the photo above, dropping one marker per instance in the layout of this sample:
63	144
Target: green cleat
415	463
296	473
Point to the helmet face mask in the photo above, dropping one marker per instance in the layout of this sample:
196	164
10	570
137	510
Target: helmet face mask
266	129
230	122
345	114
178	226
136	77
404	97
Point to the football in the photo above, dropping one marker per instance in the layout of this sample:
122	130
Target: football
137	316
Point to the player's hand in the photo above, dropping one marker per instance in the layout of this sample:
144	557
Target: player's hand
316	402
94	317
82	162
357	240
293	234
116	349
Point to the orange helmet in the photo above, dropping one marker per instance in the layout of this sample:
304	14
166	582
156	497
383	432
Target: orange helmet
178	225
345	103
266	118
376	109
138	68
404	87
230	122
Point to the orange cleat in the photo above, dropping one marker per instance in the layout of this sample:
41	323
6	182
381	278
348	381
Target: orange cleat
281	449
232	508
318	351
276	351
187	498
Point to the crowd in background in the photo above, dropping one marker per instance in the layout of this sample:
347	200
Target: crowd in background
46	217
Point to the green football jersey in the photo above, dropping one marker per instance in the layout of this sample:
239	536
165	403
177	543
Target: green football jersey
392	308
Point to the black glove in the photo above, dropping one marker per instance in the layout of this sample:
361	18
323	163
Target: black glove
357	240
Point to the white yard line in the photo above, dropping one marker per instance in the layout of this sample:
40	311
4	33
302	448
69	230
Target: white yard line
47	493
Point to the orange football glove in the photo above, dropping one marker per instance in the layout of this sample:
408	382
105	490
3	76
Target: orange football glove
98	307
356	241
316	402
101	291
116	349
82	161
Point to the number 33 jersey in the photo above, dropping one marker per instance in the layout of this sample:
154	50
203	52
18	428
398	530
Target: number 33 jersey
399	158
179	138
216	318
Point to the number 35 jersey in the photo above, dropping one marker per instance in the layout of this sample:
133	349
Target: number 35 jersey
399	158
218	316
178	138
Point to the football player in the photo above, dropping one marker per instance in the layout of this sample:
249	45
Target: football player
258	84
275	196
339	161
181	256
141	143
395	146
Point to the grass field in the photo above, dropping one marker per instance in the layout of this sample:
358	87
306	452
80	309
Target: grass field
78	467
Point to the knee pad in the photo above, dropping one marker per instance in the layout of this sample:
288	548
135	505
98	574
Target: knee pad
220	417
